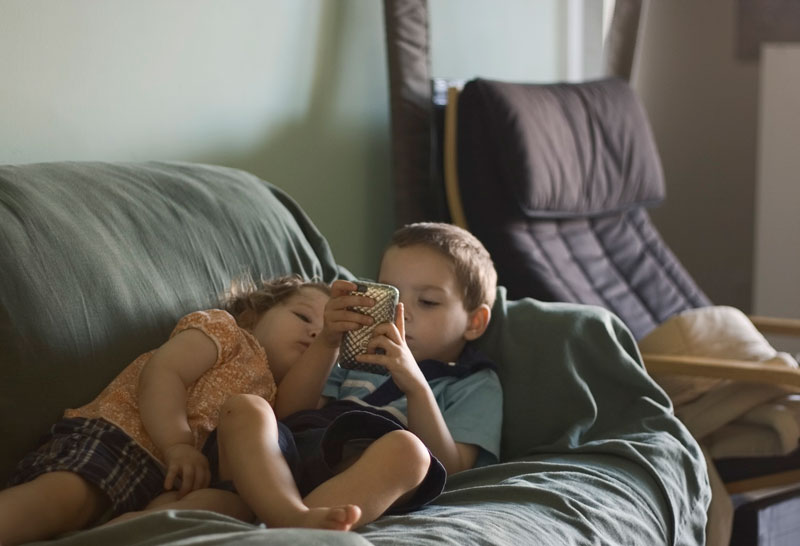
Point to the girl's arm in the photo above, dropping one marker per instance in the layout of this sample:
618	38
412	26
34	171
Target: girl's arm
162	398
301	387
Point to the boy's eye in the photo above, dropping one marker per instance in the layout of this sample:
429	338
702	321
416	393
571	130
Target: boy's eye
302	317
428	303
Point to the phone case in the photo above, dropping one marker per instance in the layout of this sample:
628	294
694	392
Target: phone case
355	342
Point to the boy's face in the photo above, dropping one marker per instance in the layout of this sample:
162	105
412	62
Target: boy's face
287	330
435	318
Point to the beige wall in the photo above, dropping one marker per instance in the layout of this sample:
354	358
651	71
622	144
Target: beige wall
294	91
703	103
777	255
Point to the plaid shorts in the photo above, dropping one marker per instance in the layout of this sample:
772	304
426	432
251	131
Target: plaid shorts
103	455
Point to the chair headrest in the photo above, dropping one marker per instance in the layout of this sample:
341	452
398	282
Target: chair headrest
562	150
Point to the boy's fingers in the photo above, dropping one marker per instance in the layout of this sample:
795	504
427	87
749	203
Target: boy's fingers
384	342
399	320
371	357
390	331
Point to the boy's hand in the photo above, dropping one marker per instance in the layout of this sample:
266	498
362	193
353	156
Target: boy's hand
396	357
186	466
339	316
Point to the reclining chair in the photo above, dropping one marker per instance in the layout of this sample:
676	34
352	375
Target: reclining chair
555	180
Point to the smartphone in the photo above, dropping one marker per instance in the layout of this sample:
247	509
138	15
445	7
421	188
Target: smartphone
354	342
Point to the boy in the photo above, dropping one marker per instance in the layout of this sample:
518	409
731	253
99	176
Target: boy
439	389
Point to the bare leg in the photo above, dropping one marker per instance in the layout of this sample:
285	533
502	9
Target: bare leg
52	504
251	457
389	470
216	500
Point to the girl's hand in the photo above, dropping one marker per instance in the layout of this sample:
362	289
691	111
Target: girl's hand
396	357
187	469
339	316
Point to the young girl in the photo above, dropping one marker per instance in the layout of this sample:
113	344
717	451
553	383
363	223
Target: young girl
146	430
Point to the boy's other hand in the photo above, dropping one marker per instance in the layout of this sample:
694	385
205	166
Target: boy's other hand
396	357
339	315
187	469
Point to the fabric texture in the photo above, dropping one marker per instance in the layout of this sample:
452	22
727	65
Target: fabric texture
101	454
471	403
554	180
561	150
717	331
323	438
719	412
100	260
241	368
590	450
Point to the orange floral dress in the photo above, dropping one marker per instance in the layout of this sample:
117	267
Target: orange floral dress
241	367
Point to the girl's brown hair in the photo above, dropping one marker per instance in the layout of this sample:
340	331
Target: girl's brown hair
247	299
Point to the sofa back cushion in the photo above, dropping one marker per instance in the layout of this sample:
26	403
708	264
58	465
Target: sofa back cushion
99	260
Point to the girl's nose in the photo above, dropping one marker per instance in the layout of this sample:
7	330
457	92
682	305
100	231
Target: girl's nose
314	333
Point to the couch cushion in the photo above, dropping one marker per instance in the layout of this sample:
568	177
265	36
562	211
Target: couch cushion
99	260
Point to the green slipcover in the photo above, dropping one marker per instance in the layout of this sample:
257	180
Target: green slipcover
100	259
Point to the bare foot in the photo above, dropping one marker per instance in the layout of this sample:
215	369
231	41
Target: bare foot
338	518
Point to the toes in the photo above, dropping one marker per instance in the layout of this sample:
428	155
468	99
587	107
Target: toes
339	515
353	513
343	517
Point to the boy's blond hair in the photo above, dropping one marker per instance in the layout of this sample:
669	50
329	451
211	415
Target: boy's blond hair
247	300
474	268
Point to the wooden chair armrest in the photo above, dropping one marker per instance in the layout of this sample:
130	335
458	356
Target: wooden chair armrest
776	325
770	480
739	370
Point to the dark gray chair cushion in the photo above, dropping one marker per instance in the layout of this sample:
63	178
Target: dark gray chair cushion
554	180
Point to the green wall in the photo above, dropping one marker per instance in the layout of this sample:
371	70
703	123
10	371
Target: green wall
294	91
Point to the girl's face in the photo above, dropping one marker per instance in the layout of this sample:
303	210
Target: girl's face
287	330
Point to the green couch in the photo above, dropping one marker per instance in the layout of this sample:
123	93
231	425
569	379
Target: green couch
99	260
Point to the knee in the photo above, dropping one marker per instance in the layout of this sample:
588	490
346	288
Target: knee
245	410
408	451
71	502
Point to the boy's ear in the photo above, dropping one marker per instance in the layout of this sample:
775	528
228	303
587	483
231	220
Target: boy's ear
478	322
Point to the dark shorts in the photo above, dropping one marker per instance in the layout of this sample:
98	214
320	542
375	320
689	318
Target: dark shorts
100	453
314	442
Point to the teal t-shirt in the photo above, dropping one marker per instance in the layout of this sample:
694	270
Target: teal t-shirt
472	405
